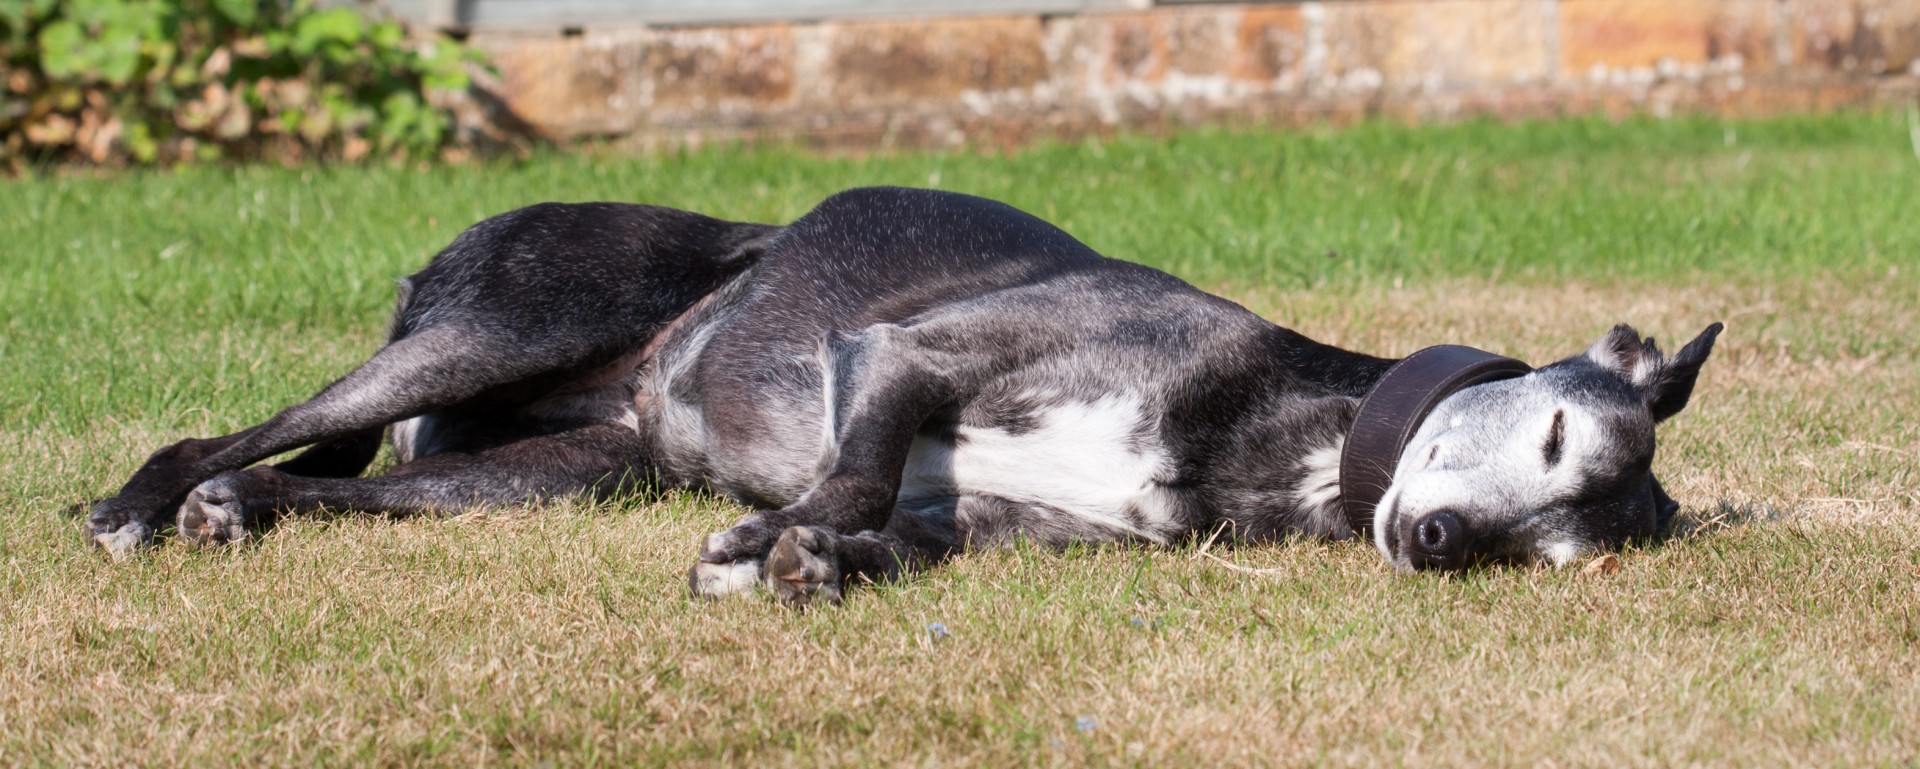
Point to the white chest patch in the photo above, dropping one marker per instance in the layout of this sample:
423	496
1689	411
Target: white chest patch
1319	490
1099	461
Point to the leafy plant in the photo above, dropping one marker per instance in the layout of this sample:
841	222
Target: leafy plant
156	81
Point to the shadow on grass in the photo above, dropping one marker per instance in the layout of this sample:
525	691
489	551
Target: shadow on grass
621	497
1724	517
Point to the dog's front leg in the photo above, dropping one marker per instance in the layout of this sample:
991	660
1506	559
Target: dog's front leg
880	386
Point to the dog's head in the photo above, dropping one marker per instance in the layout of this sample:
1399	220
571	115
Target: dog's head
1548	466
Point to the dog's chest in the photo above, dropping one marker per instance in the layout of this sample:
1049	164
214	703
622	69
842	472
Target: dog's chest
1100	462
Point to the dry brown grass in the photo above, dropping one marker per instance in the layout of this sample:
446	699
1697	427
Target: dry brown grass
1779	628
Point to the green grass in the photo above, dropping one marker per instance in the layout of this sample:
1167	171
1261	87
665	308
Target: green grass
1779	628
96	271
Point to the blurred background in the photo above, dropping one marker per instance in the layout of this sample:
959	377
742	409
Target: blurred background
154	81
867	73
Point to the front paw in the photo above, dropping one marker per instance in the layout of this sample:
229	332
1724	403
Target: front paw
118	527
748	540
113	514
803	568
120	544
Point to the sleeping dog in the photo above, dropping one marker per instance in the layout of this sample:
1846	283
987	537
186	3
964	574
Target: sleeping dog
903	374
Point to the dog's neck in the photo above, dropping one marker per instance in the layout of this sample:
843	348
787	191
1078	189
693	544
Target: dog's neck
1338	448
1278	472
1333	369
1389	416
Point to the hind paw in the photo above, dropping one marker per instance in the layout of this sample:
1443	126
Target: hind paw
803	568
118	526
214	513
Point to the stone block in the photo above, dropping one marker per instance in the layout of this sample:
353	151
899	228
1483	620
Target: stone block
1200	42
1138	48
571	87
1364	42
1270	44
1630	34
1433	45
1855	36
1898	24
1144	48
1747	32
695	72
901	62
1179	64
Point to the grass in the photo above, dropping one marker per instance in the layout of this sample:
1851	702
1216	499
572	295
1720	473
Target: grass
1779	627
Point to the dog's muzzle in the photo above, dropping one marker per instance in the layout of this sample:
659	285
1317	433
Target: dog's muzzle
1391	414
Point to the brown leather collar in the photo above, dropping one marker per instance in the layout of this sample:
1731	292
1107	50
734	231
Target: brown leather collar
1395	408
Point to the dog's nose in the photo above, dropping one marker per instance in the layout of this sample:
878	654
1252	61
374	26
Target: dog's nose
1437	541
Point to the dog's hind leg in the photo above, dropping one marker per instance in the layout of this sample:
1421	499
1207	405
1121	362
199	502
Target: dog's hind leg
586	459
343	457
432	369
516	308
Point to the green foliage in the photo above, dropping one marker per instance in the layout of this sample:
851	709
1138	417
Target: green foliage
156	81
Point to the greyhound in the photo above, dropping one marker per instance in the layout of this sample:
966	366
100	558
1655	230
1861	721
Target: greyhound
900	375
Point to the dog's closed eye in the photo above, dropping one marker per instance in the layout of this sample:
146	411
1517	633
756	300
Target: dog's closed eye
1556	438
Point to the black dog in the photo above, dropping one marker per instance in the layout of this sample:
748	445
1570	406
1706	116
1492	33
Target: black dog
898	375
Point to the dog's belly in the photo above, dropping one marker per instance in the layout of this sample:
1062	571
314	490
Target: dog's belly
1083	470
1089	466
1089	470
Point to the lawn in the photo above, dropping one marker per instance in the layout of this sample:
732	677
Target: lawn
1779	626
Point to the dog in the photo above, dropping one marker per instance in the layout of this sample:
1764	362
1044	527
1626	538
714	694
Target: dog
900	375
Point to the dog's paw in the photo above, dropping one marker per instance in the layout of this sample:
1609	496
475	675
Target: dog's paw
122	543
803	568
719	580
115	525
114	514
746	541
213	513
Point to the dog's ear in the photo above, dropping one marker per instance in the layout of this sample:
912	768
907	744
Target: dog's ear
1665	384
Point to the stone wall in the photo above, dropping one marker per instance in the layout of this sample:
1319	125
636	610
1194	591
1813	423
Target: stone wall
1003	80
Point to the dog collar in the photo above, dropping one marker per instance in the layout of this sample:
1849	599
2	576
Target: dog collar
1393	411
